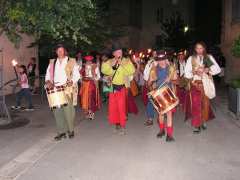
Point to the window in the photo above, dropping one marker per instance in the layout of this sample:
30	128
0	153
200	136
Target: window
235	10
159	15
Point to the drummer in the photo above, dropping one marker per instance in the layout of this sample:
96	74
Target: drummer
159	75
63	71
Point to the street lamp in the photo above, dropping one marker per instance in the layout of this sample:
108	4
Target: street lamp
186	29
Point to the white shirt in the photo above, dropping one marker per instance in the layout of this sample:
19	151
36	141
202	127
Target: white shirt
60	77
182	66
88	72
214	69
147	69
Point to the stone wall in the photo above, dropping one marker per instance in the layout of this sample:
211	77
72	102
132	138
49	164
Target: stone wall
230	30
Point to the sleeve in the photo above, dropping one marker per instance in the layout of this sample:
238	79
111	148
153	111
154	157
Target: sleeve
129	68
107	68
76	74
47	76
214	69
188	69
146	72
97	71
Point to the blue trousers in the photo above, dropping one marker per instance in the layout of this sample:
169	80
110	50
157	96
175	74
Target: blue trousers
150	110
24	92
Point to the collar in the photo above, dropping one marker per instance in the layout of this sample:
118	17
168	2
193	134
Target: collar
65	59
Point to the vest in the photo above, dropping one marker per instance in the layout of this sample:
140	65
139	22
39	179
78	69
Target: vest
72	91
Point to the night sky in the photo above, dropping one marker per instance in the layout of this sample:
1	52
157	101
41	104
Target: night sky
208	20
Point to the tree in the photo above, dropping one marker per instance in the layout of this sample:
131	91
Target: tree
74	21
175	37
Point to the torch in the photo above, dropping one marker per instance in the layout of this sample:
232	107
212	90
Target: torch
15	63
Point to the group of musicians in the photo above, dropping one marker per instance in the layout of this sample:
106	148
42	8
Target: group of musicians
184	80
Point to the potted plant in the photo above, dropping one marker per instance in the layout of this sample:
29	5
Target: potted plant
234	86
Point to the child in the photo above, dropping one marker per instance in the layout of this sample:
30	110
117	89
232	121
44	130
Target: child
25	90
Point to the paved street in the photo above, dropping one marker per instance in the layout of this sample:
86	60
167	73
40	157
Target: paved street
96	153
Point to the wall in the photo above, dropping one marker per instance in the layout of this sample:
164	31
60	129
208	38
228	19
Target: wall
9	52
230	31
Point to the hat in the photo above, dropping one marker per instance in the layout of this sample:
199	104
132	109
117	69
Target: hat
116	46
161	55
89	58
181	52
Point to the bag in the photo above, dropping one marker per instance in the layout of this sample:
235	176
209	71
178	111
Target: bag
208	86
134	88
107	89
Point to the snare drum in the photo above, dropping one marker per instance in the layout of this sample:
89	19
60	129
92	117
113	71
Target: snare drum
163	99
56	97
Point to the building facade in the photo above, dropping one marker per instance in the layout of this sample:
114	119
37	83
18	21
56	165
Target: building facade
230	31
8	52
141	19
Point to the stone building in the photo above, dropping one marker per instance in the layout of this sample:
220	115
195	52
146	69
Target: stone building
141	19
9	52
230	31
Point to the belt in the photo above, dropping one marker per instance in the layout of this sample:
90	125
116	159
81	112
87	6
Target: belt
118	87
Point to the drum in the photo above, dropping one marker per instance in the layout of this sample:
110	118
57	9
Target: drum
163	99
56	97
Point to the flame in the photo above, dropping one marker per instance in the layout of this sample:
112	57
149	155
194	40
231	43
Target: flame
14	62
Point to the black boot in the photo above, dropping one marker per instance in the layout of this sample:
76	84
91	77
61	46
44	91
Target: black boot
169	139
196	130
71	135
60	136
161	134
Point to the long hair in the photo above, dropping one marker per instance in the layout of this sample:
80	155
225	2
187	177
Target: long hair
203	44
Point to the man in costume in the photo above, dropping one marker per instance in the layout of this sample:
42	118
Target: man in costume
198	67
120	69
63	71
181	82
160	74
89	93
147	88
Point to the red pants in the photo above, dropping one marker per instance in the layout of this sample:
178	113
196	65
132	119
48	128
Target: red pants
117	107
131	104
201	109
181	93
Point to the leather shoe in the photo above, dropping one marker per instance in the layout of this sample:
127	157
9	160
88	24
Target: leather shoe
197	130
71	135
60	136
161	134
169	139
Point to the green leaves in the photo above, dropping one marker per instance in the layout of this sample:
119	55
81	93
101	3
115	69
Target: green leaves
236	47
59	19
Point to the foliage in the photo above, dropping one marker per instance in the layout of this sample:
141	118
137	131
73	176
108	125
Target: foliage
75	21
236	47
235	83
176	37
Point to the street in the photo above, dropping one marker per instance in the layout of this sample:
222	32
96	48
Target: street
97	153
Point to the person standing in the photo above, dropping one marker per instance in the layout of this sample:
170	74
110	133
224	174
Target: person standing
89	92
63	71
146	76
181	82
161	74
25	90
120	69
199	67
